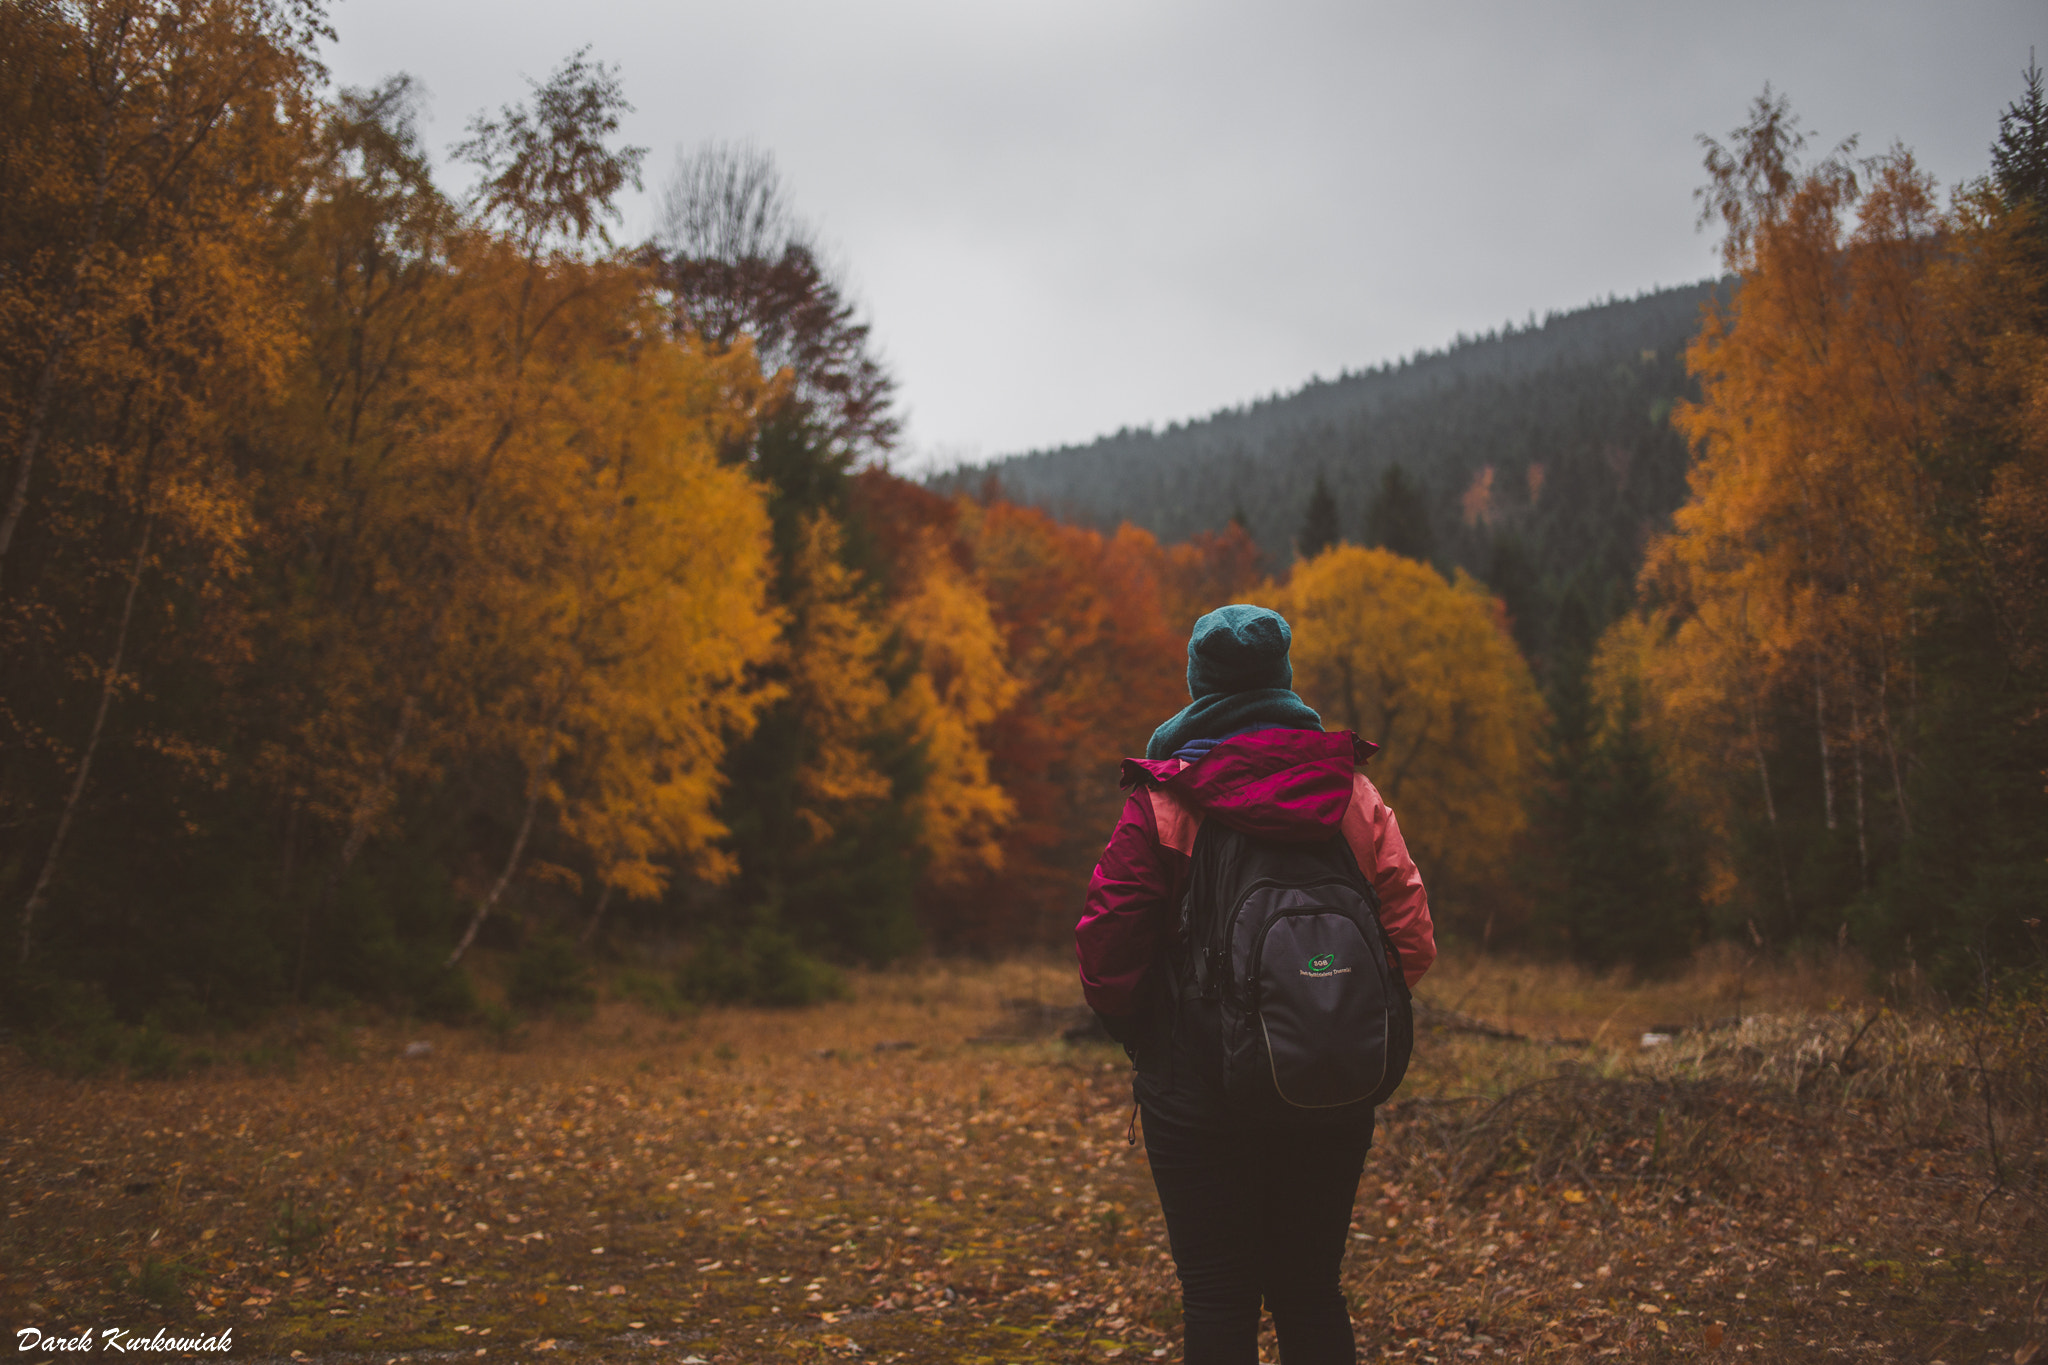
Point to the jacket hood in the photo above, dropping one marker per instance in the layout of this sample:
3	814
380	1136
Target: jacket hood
1276	784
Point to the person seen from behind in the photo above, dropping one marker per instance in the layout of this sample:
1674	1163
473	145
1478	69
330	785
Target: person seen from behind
1256	1146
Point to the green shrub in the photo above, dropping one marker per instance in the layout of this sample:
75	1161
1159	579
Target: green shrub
650	992
340	1043
387	935
501	1022
77	1034
550	974
763	966
162	1282
271	1057
447	996
74	1031
155	1279
153	1055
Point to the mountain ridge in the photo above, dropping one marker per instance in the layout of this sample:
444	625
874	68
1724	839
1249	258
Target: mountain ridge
1543	453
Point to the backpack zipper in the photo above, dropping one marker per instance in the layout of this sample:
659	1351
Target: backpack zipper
1273	1068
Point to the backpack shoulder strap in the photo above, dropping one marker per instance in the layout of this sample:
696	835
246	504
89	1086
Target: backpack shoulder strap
1199	912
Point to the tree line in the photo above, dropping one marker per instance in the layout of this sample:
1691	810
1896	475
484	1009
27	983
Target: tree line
1537	458
388	576
1830	687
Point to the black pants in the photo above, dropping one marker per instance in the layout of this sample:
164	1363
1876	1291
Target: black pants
1259	1215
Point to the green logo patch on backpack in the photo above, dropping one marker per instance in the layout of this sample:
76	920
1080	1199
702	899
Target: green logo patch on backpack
1324	964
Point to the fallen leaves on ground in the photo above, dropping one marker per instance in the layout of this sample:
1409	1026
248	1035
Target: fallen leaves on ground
768	1187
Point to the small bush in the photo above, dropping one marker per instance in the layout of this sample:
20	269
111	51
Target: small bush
549	974
75	1032
340	1043
271	1057
157	1280
501	1022
153	1056
763	966
650	992
446	996
77	1035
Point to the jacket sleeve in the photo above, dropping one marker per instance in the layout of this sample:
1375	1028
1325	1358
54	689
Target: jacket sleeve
1127	912
1375	839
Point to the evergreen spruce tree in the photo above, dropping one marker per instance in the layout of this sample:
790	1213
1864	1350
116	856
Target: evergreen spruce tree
851	894
740	266
1557	809
1513	576
1319	523
1614	883
1963	897
1398	518
2019	158
2019	168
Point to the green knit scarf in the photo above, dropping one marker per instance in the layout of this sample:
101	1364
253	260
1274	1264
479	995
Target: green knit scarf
1225	713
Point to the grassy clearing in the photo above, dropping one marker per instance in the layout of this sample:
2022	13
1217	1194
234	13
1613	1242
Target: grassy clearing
928	1172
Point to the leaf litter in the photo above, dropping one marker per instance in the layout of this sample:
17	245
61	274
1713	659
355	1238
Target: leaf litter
754	1186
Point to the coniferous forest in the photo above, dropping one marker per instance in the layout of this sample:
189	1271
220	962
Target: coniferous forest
1538	458
389	575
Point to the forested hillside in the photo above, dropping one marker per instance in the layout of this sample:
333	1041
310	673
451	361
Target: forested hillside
1538	458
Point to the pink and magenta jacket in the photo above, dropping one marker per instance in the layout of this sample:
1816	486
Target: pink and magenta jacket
1277	784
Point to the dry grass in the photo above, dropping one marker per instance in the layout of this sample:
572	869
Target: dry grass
862	1181
1559	999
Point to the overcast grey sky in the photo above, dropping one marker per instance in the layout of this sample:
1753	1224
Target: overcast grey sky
1065	217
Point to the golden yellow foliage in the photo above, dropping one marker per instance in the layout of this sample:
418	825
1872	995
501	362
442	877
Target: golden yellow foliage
1797	571
663	616
144	152
529	548
835	651
962	683
1385	647
145	147
1097	666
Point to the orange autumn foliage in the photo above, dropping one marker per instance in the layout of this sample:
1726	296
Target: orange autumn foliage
961	681
1097	667
1056	650
1840	646
146	149
1207	571
525	547
1797	567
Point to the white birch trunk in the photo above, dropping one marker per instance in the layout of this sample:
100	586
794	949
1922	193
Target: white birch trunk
109	679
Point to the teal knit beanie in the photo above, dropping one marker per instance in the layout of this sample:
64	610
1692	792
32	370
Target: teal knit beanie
1239	648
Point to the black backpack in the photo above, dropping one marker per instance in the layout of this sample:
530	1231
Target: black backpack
1282	948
